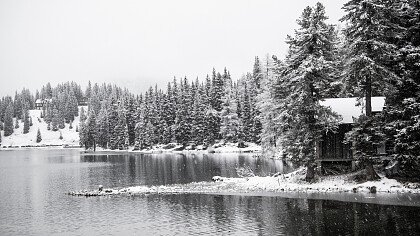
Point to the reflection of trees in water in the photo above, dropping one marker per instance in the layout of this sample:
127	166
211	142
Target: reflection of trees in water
224	214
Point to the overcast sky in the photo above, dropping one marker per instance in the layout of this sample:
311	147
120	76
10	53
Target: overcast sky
140	43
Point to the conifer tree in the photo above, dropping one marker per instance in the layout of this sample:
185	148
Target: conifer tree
17	123
367	69
90	131
403	100
300	86
38	136
82	114
103	127
55	120
229	127
26	121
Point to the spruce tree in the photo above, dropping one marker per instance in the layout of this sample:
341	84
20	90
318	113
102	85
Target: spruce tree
301	85
38	136
55	120
17	123
90	131
103	127
229	127
82	114
403	100
367	66
26	121
8	120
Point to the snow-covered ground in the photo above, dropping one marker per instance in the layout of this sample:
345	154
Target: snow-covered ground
49	137
291	182
220	147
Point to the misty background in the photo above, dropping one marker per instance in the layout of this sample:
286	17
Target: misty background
136	44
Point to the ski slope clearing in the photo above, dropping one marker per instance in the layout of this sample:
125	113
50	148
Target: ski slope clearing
49	138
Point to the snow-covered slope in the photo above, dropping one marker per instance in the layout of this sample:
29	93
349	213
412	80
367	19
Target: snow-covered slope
18	139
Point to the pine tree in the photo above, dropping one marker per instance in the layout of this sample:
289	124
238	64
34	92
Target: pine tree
229	127
367	65
38	136
300	86
55	120
17	123
103	127
267	104
246	126
403	100
26	121
90	131
8	120
82	114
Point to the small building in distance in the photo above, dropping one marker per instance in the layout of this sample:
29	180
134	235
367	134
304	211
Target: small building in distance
41	104
332	148
83	101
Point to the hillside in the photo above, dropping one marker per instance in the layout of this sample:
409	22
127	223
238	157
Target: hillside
49	138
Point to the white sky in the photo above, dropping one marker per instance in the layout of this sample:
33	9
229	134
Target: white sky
140	43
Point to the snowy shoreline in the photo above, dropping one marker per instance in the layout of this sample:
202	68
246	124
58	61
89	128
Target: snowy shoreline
289	184
158	149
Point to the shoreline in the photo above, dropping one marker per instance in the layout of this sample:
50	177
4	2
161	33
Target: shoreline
286	185
158	149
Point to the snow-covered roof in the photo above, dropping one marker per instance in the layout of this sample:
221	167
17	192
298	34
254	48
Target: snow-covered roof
38	101
348	108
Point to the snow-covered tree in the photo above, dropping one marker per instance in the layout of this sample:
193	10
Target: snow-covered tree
38	136
367	68
403	99
90	131
17	123
103	127
300	86
55	120
229	127
26	121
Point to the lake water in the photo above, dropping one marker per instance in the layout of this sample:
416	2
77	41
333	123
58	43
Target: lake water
34	184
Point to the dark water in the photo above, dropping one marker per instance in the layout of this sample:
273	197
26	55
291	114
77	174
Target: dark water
33	200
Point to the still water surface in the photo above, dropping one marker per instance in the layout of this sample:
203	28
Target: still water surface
34	183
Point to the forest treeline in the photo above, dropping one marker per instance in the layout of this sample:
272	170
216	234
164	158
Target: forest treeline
277	105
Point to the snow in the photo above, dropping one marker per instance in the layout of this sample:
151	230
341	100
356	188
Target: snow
291	182
49	137
220	147
348	109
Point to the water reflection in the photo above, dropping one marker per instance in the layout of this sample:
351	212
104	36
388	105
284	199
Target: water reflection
33	200
163	169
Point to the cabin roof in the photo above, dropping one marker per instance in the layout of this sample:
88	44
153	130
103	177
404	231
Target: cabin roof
38	101
349	108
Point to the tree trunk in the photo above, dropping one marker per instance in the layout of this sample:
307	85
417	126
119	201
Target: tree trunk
368	97
310	172
94	146
370	172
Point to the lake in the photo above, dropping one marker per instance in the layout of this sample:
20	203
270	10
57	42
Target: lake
34	184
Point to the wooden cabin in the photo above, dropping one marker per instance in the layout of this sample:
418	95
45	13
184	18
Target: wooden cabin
39	104
332	148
